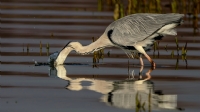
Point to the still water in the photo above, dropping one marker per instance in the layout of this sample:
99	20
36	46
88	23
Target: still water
31	30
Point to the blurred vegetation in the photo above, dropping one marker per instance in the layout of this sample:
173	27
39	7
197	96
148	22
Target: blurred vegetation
40	48
97	55
27	49
121	8
100	5
47	47
23	47
140	107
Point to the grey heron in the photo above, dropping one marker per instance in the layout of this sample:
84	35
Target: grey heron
134	33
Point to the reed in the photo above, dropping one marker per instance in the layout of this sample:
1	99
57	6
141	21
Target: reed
134	6
40	45
128	68
184	52
185	47
116	12
149	100
186	64
151	6
189	9
158	42
27	49
97	55
129	7
195	11
121	9
93	39
138	104
94	61
94	55
166	47
95	52
144	6
108	53
101	54
183	55
154	6
158	6
177	45
177	63
174	6
155	46
183	7
139	7
47	47
23	48
154	56
114	1
100	4
40	52
40	48
177	48
172	54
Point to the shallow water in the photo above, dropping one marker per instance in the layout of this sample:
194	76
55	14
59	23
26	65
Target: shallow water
81	85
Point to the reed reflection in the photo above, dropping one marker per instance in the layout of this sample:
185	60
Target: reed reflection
130	93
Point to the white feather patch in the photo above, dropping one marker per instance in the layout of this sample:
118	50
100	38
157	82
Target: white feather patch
168	29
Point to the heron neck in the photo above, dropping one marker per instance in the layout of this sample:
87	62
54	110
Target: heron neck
62	56
102	42
95	46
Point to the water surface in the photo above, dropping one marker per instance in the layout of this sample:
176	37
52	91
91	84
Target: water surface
113	84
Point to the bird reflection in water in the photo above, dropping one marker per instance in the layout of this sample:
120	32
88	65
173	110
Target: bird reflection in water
128	94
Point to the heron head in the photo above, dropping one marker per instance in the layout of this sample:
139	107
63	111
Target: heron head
52	58
58	58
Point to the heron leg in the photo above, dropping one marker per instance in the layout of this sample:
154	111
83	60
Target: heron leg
141	50
140	73
141	61
150	60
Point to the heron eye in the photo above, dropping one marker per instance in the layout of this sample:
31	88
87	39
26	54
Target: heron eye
109	33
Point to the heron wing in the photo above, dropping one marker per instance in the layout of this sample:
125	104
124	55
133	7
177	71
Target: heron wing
137	27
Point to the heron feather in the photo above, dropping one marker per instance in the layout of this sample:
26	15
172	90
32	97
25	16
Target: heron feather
135	28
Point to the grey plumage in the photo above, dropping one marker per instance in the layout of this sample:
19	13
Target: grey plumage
133	34
135	28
